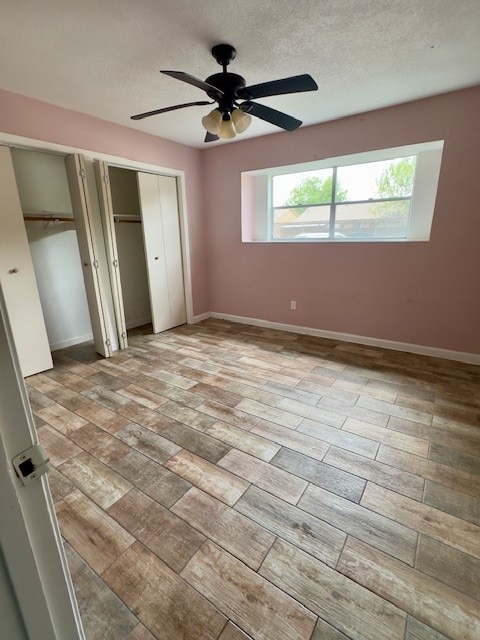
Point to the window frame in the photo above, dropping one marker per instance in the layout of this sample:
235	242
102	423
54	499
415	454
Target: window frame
258	219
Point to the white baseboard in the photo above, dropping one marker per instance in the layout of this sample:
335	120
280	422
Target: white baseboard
461	356
199	318
138	323
55	346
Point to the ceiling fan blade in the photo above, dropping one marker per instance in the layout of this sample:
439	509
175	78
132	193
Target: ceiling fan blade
211	137
147	114
295	84
282	120
196	82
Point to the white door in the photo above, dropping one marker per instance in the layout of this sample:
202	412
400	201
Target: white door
17	277
108	224
163	252
37	594
82	214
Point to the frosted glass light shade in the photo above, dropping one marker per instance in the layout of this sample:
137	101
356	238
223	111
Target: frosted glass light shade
241	121
226	130
212	121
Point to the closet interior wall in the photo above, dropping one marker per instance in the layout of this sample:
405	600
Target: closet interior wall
130	246
43	190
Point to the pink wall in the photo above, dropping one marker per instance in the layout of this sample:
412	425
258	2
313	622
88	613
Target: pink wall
33	119
424	293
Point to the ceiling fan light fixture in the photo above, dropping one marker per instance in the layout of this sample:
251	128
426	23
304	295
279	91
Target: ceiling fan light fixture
226	130
212	121
241	120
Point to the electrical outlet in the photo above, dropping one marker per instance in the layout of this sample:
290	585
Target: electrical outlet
293	304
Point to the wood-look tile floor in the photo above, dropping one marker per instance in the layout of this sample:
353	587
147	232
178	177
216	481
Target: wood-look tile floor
221	481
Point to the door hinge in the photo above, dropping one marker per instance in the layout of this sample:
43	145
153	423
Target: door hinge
81	173
115	263
124	334
108	342
105	178
31	464
95	264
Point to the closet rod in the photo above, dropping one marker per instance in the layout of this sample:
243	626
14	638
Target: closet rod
122	220
51	218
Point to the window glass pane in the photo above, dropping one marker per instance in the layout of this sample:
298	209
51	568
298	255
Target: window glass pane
388	219
307	187
309	222
386	179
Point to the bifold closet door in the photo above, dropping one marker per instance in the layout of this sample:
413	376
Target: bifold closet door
82	214
17	277
106	208
163	251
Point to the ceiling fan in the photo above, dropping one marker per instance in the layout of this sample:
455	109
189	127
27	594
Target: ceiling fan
227	89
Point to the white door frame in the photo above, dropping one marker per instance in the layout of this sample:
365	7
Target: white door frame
30	539
117	161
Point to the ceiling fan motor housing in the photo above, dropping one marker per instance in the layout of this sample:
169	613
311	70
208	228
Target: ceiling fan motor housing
229	84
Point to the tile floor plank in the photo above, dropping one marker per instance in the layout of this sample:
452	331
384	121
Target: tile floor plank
290	523
442	562
58	447
197	442
232	632
340	438
147	442
250	601
61	419
276	481
325	631
94	535
346	605
432	602
292	439
157	482
416	630
237	534
441	526
323	475
99	443
102	417
246	441
170	538
430	470
103	613
412	444
405	482
272	414
219	483
377	530
96	480
163	602
451	501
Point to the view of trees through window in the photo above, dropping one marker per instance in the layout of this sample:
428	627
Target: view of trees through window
370	200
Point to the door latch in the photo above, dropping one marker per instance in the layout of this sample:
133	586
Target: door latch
31	464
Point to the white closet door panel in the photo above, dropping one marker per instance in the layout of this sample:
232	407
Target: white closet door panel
106	208
86	241
18	277
154	250
173	249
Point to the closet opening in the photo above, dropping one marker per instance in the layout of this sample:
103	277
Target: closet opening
130	247
52	237
141	224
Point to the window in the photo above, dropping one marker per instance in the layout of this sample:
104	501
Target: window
381	195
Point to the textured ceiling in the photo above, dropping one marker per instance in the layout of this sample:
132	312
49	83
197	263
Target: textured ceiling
103	57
